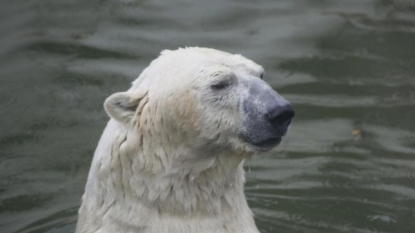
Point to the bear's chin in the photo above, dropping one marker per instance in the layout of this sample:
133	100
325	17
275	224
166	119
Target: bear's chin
265	145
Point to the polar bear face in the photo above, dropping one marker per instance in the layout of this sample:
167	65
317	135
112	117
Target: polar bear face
204	99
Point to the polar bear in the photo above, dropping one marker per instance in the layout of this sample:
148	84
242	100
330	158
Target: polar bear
170	159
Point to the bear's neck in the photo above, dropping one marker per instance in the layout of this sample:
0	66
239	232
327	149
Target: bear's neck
136	188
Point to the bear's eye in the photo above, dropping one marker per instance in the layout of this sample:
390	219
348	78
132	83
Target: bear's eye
261	76
220	85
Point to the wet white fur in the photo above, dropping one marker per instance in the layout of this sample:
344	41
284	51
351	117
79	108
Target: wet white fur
169	160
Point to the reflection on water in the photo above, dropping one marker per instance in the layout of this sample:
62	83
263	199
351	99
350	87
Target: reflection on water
348	67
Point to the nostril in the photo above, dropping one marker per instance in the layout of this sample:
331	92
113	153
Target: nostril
280	117
284	118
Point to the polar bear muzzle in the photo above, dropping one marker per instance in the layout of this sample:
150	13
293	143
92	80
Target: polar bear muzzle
266	116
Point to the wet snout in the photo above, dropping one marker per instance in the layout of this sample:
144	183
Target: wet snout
266	116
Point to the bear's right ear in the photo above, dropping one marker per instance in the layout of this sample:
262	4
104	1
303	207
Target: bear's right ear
121	106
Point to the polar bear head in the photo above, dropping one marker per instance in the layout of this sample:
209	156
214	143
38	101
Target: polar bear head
203	100
170	159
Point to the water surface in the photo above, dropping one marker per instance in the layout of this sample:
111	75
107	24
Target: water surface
348	67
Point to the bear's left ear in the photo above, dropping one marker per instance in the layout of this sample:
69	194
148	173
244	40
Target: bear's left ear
121	106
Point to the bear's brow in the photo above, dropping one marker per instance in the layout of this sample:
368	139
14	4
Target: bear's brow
245	68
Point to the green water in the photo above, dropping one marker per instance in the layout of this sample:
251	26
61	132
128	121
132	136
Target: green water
348	67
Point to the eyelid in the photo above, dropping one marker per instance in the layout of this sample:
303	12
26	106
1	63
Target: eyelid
223	81
221	84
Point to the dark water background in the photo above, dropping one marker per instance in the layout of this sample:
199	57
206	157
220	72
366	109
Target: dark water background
348	67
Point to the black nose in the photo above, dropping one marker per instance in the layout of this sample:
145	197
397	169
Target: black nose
280	116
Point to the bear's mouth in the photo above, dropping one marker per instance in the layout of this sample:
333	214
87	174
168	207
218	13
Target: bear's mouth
263	145
267	144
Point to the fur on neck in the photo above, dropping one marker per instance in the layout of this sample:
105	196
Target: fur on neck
131	185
